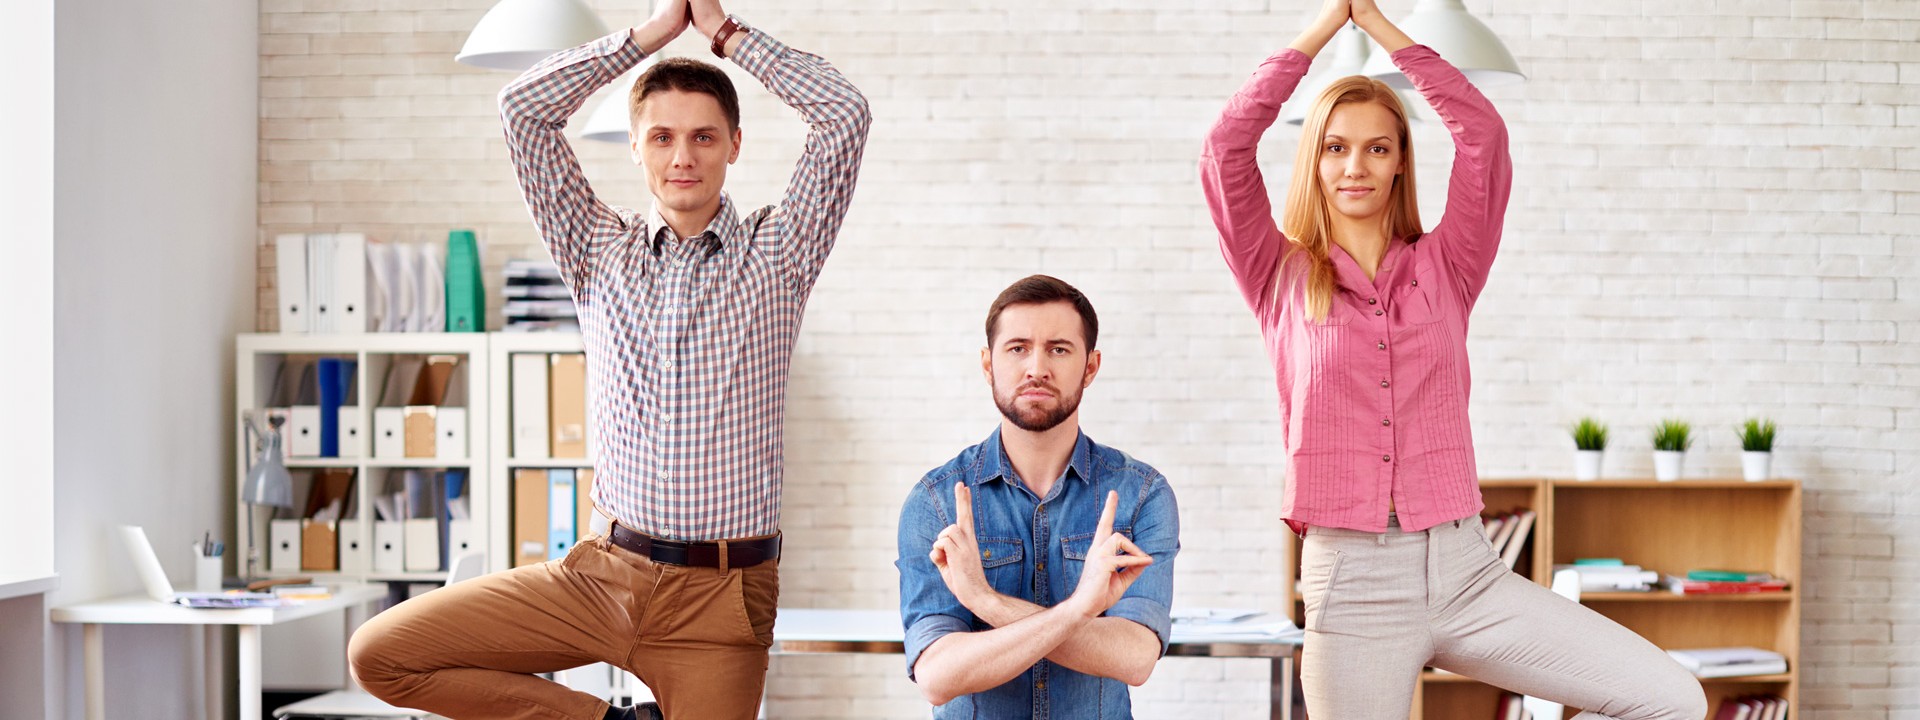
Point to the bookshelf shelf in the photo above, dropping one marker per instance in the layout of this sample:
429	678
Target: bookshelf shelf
1662	596
546	463
1669	527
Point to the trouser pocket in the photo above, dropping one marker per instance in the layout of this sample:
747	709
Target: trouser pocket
1319	574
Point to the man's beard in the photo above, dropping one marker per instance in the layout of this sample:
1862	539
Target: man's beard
1035	419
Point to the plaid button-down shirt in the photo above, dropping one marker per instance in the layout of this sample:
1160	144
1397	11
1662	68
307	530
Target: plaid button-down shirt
689	340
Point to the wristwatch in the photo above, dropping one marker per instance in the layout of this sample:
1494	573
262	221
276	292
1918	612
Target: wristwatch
726	32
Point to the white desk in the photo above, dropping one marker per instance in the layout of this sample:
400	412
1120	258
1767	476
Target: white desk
801	630
143	610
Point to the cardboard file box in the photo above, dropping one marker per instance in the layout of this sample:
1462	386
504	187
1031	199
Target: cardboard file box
303	431
389	546
353	437
422	432
462	538
283	540
450	433
355	555
319	546
389	433
423	544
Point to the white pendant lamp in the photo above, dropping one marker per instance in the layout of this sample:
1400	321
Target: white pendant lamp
1460	38
516	34
1349	54
612	119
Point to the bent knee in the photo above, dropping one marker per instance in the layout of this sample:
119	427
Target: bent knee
1681	697
369	658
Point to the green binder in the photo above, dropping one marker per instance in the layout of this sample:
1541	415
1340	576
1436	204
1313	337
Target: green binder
466	295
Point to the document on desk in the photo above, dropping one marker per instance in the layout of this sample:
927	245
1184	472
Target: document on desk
1201	624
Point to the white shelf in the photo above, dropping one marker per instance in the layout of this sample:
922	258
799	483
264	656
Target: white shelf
546	463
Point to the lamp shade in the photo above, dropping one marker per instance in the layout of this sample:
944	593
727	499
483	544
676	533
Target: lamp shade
611	120
516	34
1349	54
268	482
1459	37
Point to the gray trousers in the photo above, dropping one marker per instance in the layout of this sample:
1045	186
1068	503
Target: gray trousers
1379	607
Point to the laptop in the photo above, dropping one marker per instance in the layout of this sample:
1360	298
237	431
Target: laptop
159	588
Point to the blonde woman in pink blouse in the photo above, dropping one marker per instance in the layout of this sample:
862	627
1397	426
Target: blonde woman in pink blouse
1365	318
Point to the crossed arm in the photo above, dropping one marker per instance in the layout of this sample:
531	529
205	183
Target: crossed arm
1072	633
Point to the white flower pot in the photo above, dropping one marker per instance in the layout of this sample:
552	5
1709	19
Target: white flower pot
1586	464
1667	464
1756	466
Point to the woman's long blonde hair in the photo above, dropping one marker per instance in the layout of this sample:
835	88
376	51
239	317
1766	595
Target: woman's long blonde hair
1306	219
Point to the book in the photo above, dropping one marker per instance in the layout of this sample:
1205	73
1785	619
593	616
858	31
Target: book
1729	661
1682	586
1729	576
1523	524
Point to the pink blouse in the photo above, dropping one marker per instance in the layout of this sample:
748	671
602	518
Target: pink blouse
1373	399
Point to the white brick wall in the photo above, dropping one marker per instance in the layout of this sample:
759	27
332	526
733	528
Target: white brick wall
1712	218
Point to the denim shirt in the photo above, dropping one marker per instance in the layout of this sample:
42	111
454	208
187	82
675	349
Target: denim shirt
1033	549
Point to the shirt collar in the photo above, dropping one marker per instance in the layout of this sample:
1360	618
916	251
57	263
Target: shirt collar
719	233
995	465
1347	272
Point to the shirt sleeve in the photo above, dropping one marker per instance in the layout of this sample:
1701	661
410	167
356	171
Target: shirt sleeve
1468	235
1156	530
818	195
1230	176
535	108
928	610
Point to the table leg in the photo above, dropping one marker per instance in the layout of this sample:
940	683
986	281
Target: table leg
96	658
249	672
216	700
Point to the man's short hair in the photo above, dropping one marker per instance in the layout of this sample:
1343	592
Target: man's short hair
686	75
1039	290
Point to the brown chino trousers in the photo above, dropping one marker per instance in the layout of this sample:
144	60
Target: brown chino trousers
698	637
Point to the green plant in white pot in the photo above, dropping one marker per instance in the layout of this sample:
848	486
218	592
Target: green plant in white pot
1590	444
1671	438
1756	449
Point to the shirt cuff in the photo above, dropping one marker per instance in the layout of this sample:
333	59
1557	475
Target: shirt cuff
757	50
924	632
1148	612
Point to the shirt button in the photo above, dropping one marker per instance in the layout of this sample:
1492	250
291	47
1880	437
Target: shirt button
666	417
1386	458
1383	383
1379	312
1040	685
669	364
1041	566
1416	283
1383	345
988	554
1385	422
1373	301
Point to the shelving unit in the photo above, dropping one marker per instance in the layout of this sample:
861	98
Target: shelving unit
501	460
258	355
1670	527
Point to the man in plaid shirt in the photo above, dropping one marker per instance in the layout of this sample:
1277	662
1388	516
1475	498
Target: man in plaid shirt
689	315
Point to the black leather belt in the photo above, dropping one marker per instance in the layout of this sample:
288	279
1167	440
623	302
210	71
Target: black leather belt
740	553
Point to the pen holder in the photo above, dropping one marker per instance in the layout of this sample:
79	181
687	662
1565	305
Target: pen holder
206	570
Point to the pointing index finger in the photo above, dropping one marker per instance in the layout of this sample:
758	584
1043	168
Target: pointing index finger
1105	527
963	507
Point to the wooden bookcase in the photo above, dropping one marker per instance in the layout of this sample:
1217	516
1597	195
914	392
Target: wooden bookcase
1670	527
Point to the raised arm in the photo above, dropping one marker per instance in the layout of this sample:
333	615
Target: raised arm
1468	236
1229	171
535	108
821	190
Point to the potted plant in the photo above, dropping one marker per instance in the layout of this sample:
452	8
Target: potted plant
1671	438
1756	445
1589	442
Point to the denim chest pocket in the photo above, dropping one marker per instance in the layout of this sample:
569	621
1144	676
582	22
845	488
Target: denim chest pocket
1075	547
1001	559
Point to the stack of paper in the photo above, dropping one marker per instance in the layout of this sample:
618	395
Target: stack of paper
1730	662
536	300
1206	624
1706	582
1611	575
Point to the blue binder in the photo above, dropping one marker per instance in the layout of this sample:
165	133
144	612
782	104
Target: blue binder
560	500
335	375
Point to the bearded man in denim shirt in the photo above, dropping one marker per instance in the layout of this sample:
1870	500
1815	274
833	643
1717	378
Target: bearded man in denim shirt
1036	568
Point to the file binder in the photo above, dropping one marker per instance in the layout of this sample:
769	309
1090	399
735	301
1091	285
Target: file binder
290	276
333	375
303	418
320	282
356	555
567	402
583	504
426	501
283	537
466	297
529	411
560	506
529	517
350	313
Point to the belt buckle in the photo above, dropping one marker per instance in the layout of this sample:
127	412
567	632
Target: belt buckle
669	552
